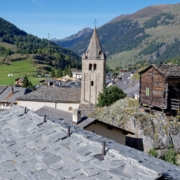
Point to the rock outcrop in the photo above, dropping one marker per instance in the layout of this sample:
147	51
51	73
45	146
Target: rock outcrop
151	130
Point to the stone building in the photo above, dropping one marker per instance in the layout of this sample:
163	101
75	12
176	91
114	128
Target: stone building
93	71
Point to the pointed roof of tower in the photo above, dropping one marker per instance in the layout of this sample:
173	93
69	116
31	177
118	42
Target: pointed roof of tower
94	50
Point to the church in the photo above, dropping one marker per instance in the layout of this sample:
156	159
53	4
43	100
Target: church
93	71
68	99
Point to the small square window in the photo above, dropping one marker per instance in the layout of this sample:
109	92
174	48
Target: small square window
147	91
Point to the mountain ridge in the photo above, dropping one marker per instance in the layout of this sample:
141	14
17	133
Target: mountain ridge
132	34
71	40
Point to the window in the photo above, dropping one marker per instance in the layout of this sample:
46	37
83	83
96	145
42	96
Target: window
70	108
95	66
92	83
147	91
90	66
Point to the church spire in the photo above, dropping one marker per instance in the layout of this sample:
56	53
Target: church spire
94	50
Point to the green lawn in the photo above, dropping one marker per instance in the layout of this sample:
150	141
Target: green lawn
18	69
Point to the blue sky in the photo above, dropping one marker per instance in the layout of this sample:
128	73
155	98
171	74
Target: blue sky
62	18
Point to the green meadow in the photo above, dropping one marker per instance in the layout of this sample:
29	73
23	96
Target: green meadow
18	69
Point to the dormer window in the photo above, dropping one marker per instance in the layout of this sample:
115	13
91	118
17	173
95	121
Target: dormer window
99	52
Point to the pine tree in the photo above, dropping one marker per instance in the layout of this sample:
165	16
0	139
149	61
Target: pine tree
69	71
59	73
52	73
66	71
27	83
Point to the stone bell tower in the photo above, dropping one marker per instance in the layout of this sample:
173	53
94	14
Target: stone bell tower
93	71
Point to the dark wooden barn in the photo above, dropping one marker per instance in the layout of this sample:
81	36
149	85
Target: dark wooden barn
160	87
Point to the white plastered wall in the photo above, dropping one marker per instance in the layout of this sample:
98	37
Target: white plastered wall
32	105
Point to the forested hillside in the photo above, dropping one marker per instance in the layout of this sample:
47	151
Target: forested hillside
16	41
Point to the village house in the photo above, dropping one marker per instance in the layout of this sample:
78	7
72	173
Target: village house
94	125
41	149
66	99
77	74
19	82
8	95
160	87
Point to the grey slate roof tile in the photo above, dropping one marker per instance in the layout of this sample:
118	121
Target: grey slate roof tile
40	152
53	94
90	171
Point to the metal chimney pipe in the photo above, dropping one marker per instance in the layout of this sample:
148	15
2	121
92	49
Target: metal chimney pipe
45	120
68	132
12	88
103	149
25	110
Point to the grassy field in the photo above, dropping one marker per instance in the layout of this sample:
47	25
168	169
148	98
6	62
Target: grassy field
18	69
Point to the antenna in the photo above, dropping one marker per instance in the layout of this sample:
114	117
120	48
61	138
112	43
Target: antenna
95	22
49	43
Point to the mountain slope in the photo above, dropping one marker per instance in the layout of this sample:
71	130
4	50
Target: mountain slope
24	54
146	36
73	39
15	41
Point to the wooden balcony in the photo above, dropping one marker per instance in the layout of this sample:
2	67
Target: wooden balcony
175	104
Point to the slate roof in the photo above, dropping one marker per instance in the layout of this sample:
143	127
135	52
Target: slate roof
6	94
94	49
53	94
132	90
167	70
31	149
57	115
2	88
128	85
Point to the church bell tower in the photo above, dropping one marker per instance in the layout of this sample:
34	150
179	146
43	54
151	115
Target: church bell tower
93	71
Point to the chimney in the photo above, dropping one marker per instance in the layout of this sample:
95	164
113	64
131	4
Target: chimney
76	116
12	88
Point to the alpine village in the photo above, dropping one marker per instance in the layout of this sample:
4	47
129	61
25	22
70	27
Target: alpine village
102	104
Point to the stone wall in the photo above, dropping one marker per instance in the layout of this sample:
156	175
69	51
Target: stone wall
155	130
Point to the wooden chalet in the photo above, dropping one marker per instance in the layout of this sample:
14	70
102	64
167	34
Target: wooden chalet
160	87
